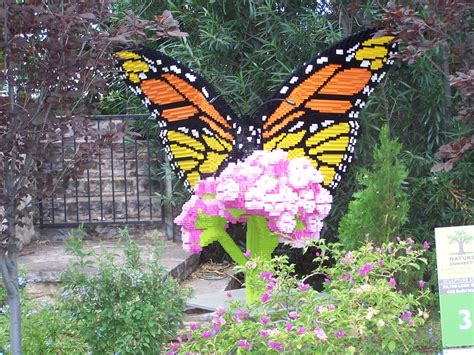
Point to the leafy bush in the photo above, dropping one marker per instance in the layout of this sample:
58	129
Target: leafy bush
132	307
362	309
45	331
381	209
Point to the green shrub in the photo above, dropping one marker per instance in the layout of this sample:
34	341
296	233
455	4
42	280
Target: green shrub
132	307
380	209
362	310
45	330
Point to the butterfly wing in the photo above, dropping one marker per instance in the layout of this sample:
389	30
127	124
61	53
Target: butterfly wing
315	112
196	126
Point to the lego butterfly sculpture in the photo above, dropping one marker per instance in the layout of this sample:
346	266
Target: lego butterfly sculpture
314	114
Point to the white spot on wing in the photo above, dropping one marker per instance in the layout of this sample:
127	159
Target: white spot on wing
191	77
204	91
308	69
313	128
296	126
175	69
284	90
293	80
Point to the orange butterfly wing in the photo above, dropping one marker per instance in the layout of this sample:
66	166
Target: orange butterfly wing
317	108
196	128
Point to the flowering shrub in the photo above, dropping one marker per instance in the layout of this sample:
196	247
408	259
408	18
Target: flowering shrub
287	193
125	308
361	310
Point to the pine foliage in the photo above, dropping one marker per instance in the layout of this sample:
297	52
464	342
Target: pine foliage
380	209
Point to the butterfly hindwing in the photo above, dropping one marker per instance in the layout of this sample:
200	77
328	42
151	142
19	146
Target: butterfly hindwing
315	112
196	126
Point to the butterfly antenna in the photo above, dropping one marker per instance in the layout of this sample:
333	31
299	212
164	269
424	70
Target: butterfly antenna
231	100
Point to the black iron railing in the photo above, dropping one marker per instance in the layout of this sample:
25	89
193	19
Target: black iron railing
121	189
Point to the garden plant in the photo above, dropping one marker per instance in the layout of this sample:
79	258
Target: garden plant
362	309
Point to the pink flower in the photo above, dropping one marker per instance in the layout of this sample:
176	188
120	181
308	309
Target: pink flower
266	184
275	345
289	326
379	250
301	330
421	283
411	323
269	288
268	276
206	334
218	321
406	315
265	320
220	311
263	332
410	241
318	309
244	344
194	326
228	294
248	254
320	334
339	334
327	281
426	245
408	250
303	287
392	282
365	270
174	346
331	307
293	315
265	297
381	263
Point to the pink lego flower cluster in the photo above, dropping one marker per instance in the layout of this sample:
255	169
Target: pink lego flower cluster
288	193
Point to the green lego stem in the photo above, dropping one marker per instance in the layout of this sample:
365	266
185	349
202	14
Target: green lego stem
213	229
261	242
231	248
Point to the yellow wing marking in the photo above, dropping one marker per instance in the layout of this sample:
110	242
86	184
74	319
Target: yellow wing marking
127	55
331	159
133	67
271	144
212	163
338	144
184	139
188	165
290	140
375	51
184	152
331	131
378	41
299	153
193	178
328	173
217	144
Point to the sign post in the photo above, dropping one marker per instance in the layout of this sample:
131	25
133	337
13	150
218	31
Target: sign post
455	258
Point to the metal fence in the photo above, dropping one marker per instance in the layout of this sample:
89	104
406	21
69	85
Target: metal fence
122	187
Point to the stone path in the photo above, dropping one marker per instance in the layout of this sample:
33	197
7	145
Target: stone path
45	260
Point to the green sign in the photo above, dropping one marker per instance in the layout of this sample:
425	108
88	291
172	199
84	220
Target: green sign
455	258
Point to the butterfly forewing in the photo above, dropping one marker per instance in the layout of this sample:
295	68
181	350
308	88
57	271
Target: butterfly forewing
316	115
196	127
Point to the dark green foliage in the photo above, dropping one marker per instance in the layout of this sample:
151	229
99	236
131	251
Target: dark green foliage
130	308
380	209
